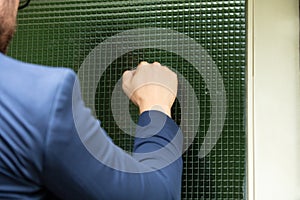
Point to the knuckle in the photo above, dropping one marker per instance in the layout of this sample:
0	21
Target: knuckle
156	63
143	63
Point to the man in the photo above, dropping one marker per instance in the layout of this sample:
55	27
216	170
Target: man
51	147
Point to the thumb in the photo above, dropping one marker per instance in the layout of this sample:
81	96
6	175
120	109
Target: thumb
126	80
127	76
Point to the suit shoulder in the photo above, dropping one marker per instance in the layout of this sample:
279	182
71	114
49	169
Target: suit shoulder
31	89
27	75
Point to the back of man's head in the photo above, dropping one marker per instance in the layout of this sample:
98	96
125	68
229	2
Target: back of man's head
8	13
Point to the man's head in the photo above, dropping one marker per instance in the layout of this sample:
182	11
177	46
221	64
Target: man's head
8	15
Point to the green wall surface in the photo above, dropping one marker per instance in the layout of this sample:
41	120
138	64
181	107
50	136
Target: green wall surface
64	32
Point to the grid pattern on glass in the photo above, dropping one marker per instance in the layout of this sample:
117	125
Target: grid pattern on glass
63	32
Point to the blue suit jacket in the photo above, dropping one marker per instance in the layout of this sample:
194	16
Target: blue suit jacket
45	153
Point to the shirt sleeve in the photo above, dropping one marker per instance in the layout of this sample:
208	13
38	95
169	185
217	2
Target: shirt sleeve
81	161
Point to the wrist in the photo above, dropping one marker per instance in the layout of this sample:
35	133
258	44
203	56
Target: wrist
162	108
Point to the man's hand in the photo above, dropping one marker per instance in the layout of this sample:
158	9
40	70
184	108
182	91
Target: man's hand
151	87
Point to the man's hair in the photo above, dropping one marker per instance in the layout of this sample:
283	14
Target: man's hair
7	23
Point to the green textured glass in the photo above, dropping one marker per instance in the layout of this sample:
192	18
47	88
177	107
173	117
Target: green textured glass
63	33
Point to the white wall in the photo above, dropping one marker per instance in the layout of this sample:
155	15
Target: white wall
274	100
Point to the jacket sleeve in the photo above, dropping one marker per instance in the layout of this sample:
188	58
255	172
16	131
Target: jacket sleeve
81	161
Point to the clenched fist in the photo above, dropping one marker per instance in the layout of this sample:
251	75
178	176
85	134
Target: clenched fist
151	87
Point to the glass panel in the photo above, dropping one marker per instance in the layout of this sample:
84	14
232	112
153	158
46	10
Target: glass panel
64	32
